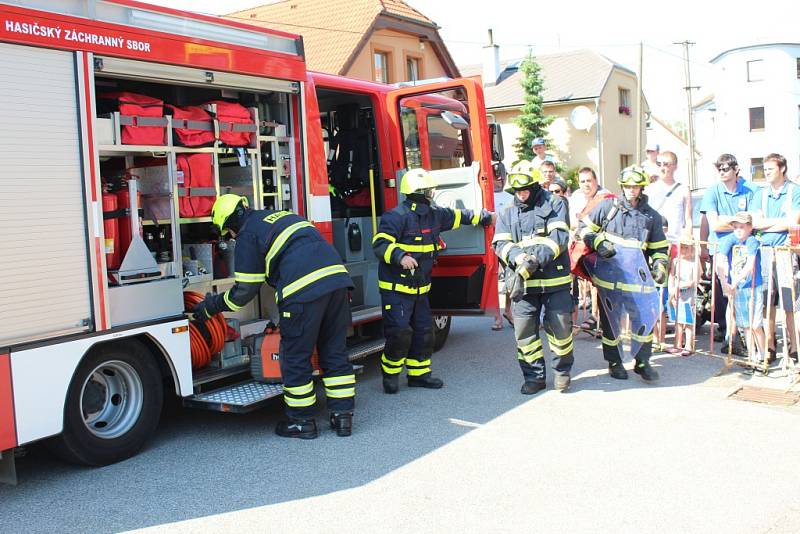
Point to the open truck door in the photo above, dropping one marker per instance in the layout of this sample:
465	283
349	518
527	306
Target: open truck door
442	127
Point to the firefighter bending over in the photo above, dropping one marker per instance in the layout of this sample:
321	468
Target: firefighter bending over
531	240
407	244
311	288
627	222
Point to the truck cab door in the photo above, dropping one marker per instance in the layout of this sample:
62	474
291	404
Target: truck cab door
442	127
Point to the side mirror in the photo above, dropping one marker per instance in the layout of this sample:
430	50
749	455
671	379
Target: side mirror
496	134
455	120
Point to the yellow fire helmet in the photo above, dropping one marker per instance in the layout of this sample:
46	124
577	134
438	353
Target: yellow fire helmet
523	174
417	180
223	208
633	175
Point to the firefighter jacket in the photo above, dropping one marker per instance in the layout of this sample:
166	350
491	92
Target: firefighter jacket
616	220
413	228
539	228
287	252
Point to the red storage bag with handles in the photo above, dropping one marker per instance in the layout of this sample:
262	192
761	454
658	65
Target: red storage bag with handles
192	125
196	193
236	126
141	117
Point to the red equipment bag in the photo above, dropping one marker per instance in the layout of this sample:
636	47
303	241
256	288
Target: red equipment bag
236	126
141	117
196	193
577	248
193	125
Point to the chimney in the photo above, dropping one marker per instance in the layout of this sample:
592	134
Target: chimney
491	62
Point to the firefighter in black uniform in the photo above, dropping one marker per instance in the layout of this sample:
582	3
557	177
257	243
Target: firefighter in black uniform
531	238
311	288
629	222
407	244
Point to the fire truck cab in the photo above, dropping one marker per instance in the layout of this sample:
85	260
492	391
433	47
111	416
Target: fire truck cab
144	115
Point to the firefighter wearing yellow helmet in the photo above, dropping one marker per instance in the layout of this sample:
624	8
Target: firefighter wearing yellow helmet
627	222
311	289
531	241
406	245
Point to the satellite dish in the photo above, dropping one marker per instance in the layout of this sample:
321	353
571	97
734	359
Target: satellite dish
582	118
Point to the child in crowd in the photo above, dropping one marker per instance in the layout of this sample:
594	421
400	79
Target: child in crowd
739	271
684	276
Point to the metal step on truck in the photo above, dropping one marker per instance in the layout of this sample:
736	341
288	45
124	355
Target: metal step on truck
142	116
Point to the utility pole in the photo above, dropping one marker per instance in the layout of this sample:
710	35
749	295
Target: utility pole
639	110
690	114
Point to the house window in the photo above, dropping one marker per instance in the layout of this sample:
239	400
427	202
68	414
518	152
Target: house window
625	160
756	119
757	169
755	70
412	69
624	101
381	67
798	67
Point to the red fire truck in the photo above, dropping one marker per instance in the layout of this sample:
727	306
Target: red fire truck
121	123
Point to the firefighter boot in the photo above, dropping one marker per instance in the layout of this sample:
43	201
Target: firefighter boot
425	381
297	428
342	423
391	383
532	387
561	382
617	370
644	370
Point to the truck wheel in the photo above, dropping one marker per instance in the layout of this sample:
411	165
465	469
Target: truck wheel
441	329
113	405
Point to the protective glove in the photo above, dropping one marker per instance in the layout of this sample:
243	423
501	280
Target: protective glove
606	250
659	272
515	286
205	309
487	218
527	267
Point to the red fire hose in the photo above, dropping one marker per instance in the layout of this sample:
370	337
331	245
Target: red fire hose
204	346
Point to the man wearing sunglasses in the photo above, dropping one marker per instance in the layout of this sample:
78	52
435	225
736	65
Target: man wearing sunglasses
721	202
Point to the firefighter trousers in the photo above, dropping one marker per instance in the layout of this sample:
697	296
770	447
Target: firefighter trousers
322	322
527	313
408	329
612	348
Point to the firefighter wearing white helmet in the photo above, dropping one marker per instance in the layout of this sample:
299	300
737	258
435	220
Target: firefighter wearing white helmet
531	241
407	244
311	290
627	222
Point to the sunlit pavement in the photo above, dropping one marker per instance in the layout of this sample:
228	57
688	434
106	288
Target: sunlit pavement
608	456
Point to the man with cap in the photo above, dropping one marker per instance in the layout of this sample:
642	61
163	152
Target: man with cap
650	163
539	147
407	244
311	289
531	239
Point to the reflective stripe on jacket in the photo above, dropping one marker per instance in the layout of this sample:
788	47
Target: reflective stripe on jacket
541	231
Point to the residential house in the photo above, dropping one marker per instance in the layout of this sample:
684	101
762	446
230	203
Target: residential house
378	40
571	79
755	108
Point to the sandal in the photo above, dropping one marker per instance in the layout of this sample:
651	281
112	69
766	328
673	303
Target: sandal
497	327
509	319
589	324
685	352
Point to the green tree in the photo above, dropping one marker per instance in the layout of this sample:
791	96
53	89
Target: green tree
532	121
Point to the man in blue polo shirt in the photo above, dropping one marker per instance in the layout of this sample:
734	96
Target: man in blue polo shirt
721	202
776	207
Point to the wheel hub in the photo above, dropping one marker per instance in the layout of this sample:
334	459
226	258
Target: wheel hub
111	399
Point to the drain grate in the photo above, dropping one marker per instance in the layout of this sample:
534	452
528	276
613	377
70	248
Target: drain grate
774	397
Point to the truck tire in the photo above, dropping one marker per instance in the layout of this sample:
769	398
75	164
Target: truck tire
113	405
441	329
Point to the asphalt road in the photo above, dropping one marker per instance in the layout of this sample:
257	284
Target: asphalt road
475	456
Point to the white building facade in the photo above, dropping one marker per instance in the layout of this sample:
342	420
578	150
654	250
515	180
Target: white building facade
755	110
